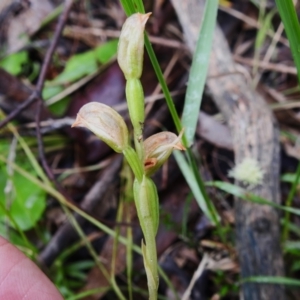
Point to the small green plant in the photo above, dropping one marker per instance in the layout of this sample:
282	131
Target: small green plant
147	156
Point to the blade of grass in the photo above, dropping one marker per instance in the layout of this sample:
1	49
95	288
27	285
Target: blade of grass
128	7
198	70
87	293
272	280
285	233
291	25
193	184
163	84
244	195
139	6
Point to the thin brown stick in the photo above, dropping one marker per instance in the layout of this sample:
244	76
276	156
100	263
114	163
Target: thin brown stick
19	109
266	65
40	84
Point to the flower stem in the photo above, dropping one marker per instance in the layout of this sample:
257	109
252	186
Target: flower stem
134	162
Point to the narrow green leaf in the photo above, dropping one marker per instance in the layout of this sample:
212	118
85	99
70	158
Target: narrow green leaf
198	70
14	62
263	31
272	280
128	7
293	190
291	245
193	184
245	195
163	84
139	6
290	177
291	25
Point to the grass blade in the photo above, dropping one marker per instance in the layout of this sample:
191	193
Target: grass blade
198	70
163	84
293	190
128	7
245	195
273	280
291	25
194	186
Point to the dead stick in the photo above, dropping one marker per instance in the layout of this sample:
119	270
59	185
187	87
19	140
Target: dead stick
40	84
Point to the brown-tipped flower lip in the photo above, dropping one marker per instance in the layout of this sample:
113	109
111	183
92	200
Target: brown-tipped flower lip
179	146
144	17
78	122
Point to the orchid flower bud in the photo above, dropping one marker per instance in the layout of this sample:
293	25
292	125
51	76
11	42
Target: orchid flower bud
158	148
105	123
131	45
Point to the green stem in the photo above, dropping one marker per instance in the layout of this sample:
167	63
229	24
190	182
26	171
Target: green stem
139	145
134	163
136	108
164	87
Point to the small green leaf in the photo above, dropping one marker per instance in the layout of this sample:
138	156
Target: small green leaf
28	203
198	71
59	108
14	62
51	90
262	33
78	66
106	51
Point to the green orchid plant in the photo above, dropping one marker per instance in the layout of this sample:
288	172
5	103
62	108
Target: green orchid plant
147	156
